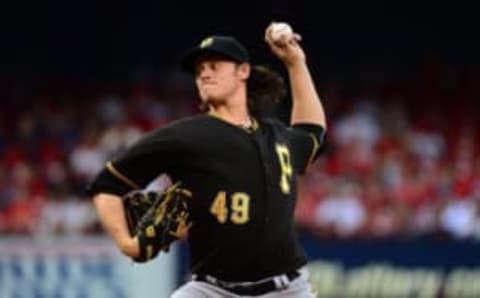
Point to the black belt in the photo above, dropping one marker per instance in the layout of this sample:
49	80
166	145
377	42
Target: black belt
257	288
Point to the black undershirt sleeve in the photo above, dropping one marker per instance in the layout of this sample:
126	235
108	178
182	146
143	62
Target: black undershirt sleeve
307	141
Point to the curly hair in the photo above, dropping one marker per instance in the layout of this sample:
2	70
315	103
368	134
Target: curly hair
265	88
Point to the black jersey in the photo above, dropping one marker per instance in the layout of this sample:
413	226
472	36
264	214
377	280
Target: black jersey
243	184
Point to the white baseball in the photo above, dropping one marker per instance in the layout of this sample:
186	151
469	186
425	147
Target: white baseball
280	29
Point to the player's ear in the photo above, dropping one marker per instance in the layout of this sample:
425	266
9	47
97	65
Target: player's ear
243	70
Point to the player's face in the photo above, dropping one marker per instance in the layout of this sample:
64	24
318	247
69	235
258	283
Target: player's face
219	79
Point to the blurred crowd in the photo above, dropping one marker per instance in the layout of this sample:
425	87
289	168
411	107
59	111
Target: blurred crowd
403	160
54	141
402	157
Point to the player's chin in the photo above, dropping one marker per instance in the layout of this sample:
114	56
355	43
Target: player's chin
212	100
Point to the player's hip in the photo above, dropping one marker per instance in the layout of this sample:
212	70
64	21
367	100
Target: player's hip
289	284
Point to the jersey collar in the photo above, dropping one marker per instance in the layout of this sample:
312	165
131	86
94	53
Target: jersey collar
250	128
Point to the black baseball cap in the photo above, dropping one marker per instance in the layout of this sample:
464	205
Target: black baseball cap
226	46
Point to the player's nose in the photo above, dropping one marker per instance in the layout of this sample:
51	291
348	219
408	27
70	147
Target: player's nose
205	75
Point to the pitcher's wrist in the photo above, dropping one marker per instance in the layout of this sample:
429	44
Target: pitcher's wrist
130	247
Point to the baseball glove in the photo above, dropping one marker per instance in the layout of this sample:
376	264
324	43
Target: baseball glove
157	219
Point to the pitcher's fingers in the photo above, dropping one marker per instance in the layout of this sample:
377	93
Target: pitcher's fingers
268	34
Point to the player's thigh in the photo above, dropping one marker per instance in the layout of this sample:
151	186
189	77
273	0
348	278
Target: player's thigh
194	289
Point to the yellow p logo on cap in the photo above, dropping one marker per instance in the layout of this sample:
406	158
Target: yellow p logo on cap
206	42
